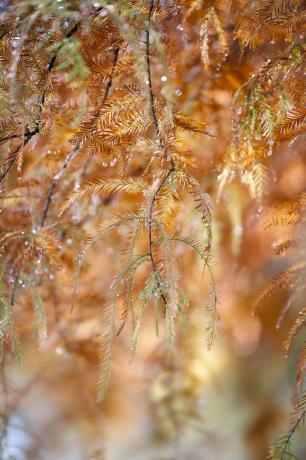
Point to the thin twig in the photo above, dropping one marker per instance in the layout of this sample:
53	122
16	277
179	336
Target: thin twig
54	58
73	153
107	90
148	60
291	433
110	81
15	285
161	144
29	134
56	177
150	222
4	406
7	138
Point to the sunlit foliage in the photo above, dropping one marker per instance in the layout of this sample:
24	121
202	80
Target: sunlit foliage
123	124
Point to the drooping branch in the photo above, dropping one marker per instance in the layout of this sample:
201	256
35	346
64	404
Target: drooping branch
291	433
163	179
107	90
53	59
56	177
149	74
111	78
41	101
150	223
74	152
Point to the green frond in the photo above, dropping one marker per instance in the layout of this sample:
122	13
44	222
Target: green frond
106	345
144	298
299	403
211	308
282	448
127	301
213	300
267	121
108	320
110	224
192	243
170	326
126	276
7	328
91	238
183	304
72	61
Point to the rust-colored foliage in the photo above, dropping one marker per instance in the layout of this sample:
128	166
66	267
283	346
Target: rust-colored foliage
122	125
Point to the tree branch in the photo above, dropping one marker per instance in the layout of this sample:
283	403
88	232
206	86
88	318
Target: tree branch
73	153
164	179
107	90
56	177
291	433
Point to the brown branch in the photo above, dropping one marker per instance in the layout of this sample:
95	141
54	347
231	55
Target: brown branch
56	177
150	222
107	90
291	433
29	134
11	162
7	138
73	153
110	81
15	286
161	144
148	61
53	59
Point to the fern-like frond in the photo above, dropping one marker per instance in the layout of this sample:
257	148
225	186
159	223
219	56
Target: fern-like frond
212	19
189	124
283	281
283	247
300	402
144	298
287	213
282	448
40	314
49	244
204	206
92	237
298	323
106	345
128	300
108	185
108	319
192	243
8	330
260	181
294	122
212	309
110	224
